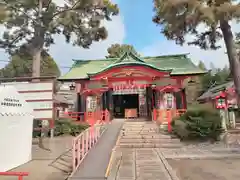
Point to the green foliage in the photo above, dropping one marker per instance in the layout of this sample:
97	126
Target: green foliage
3	13
35	23
38	25
202	66
206	21
21	65
117	50
68	127
210	79
198	124
179	18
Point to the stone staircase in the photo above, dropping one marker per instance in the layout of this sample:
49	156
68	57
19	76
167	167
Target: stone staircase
145	134
63	163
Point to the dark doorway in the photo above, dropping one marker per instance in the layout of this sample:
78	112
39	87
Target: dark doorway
122	102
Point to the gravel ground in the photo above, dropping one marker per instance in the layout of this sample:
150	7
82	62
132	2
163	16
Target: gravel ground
207	169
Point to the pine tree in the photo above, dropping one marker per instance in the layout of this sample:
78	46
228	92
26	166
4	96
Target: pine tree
202	66
35	22
179	18
3	13
117	50
21	61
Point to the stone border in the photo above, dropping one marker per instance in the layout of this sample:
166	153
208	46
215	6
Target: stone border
169	169
199	157
113	154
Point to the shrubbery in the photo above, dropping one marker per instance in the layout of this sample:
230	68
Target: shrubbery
66	126
198	124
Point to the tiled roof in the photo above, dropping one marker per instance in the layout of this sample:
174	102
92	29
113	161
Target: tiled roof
215	91
177	64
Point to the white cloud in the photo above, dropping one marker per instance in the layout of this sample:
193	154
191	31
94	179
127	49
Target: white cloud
64	53
217	57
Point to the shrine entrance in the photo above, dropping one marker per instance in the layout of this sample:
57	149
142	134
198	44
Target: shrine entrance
124	103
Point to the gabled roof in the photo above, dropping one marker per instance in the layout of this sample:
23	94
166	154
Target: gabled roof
129	56
215	91
177	64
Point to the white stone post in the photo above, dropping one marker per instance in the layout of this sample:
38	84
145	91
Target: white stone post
223	118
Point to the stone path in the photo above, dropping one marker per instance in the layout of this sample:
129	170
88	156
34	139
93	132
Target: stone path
135	156
142	153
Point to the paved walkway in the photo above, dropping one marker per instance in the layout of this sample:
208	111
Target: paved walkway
95	164
135	156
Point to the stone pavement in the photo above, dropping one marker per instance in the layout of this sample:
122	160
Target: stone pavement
48	165
202	151
143	153
136	156
140	164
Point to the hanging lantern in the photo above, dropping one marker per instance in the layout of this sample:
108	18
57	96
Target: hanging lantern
72	87
221	101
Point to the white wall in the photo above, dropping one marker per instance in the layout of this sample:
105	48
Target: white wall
16	122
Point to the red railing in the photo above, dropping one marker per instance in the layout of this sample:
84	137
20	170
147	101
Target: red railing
90	117
20	175
165	116
83	143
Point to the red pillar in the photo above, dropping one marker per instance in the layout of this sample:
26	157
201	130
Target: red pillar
169	117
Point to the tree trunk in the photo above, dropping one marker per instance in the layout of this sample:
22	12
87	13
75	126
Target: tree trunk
232	55
36	65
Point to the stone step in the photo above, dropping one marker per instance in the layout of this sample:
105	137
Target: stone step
63	164
146	136
149	145
138	122
138	128
156	141
140	133
139	125
234	131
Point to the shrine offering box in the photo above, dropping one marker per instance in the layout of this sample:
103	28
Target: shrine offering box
131	113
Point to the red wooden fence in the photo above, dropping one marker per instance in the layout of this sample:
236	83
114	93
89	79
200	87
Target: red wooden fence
90	117
20	175
165	116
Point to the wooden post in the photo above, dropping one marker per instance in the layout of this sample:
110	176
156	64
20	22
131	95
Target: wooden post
169	119
154	114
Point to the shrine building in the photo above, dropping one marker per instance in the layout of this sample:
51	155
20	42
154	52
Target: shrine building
131	86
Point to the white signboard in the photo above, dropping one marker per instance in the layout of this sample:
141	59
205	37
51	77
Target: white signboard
39	95
16	122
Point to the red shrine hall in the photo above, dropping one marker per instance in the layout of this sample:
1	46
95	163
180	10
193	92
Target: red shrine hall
132	86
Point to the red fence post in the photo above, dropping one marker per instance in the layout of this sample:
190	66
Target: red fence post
20	175
74	154
154	114
169	118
